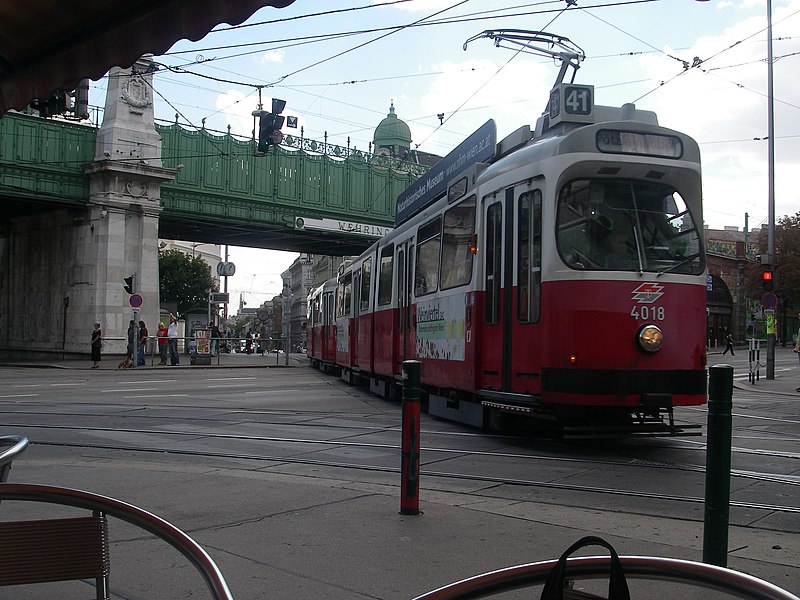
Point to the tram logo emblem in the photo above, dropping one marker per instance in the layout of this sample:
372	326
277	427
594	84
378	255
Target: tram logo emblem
647	293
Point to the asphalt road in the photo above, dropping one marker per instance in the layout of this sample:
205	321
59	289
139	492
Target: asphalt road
114	432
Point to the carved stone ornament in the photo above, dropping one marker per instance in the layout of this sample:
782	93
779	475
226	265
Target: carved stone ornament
136	94
137	189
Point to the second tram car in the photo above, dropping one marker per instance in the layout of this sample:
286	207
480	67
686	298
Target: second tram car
559	278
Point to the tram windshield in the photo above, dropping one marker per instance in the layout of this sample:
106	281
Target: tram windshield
626	225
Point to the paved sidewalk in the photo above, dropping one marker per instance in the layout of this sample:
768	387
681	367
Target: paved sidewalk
233	360
787	371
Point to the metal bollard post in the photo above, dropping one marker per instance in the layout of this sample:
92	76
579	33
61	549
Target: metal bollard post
409	486
718	465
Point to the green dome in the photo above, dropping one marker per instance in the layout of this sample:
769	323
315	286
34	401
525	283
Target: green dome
392	133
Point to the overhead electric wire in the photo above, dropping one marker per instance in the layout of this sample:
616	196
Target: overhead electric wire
392	28
698	62
485	83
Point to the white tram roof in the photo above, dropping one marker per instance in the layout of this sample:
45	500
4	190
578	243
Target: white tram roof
602	114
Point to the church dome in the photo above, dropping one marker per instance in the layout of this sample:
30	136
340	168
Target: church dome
392	134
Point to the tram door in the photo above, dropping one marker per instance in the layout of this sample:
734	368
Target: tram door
355	321
328	343
404	340
512	264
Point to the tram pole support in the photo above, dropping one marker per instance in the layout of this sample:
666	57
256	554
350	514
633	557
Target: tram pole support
409	486
718	465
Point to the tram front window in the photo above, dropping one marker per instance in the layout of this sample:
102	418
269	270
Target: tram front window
626	225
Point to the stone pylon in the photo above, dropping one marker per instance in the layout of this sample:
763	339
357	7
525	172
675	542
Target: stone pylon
124	204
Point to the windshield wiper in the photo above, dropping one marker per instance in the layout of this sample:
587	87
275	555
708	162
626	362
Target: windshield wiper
679	264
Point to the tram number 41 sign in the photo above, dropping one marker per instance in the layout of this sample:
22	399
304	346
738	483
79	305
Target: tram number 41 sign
135	300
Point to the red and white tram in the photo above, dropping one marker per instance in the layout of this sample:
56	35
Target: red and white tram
558	275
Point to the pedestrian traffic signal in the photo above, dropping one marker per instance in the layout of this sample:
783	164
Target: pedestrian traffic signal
130	284
766	280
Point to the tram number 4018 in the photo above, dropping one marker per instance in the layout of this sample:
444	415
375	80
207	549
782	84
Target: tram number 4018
648	313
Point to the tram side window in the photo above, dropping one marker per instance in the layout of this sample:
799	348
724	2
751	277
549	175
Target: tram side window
494	240
315	315
385	275
426	275
459	225
344	295
529	252
328	305
366	279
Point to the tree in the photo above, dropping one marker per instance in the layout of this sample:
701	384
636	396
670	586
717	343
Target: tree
185	280
787	259
787	249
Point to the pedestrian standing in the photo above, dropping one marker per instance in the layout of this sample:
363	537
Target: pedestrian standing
172	338
143	335
728	344
97	344
161	335
131	339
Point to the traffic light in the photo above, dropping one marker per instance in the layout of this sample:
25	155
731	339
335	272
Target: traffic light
54	105
269	126
269	131
130	284
766	280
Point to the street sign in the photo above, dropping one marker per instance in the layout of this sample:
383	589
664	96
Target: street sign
219	298
135	300
769	300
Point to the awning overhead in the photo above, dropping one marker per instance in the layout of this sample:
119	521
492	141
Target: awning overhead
47	45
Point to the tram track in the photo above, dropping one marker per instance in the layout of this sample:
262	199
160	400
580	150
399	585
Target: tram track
430	473
675	444
444	453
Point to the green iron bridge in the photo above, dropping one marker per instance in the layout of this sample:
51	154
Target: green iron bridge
304	196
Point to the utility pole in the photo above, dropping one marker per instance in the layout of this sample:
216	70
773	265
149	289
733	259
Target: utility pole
770	185
287	298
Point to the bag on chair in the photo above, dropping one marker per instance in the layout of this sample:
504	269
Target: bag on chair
554	586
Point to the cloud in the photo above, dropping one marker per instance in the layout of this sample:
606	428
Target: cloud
273	56
236	108
723	105
464	89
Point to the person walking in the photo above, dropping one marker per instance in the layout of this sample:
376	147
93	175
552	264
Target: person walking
797	346
97	344
728	344
161	335
172	338
215	335
143	335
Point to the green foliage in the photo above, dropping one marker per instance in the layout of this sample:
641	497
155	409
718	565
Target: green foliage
239	324
787	257
787	249
185	280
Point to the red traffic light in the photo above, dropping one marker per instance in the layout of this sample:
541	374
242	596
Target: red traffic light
766	280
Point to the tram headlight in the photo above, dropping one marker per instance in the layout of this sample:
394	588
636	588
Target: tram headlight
651	338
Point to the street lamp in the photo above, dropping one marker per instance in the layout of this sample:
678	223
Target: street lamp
287	299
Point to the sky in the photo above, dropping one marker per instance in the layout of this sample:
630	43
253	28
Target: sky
700	65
